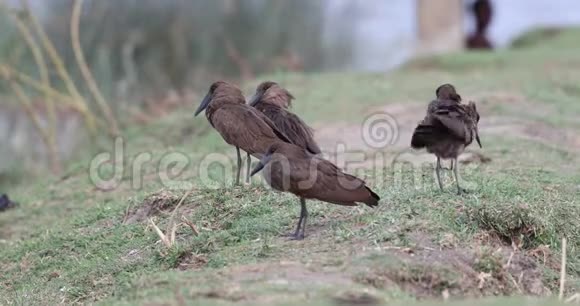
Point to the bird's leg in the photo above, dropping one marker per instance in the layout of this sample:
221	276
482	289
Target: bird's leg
455	172
239	166
302	221
304	215
437	171
249	162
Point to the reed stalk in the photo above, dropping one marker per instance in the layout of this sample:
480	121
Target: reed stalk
57	61
40	62
86	72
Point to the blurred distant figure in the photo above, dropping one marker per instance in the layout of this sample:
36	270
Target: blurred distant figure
483	12
5	203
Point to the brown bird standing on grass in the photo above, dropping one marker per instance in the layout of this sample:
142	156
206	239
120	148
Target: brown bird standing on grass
446	130
290	168
445	93
239	125
273	100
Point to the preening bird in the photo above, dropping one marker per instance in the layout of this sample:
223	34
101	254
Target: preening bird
239	124
273	100
446	131
289	168
445	93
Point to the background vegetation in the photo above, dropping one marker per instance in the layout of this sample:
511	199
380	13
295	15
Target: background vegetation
120	62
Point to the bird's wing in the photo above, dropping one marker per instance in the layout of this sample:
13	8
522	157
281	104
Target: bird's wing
272	126
242	126
333	185
452	117
454	126
302	130
432	107
316	178
299	132
330	169
446	119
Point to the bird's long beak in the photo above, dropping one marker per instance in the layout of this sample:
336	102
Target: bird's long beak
256	98
477	138
204	104
263	162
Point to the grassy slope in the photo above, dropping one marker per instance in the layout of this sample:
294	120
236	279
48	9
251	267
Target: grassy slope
67	243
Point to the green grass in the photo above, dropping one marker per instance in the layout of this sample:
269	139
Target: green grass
68	242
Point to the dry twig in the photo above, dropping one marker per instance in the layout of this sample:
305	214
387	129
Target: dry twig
191	225
171	226
563	270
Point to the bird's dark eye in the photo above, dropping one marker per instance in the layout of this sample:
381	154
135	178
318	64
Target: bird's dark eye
215	85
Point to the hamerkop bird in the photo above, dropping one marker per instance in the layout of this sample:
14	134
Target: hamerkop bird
445	93
273	101
239	125
290	168
446	131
